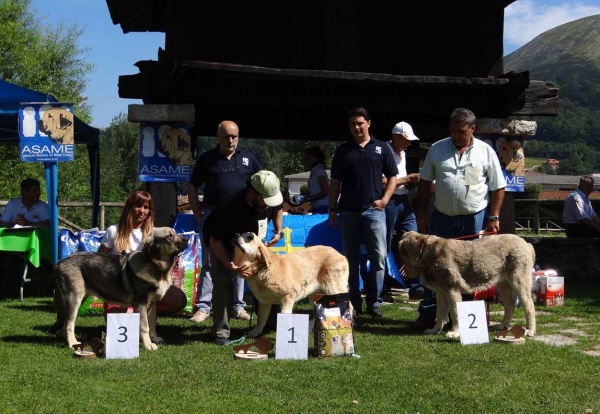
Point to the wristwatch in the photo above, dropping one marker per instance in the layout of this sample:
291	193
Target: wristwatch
278	232
493	218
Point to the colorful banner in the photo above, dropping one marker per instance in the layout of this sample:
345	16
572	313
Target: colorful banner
165	152
512	159
46	131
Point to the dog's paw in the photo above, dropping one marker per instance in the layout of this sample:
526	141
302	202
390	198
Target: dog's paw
254	333
530	333
432	331
151	347
453	334
157	340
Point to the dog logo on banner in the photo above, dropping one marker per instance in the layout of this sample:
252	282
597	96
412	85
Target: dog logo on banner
47	131
165	152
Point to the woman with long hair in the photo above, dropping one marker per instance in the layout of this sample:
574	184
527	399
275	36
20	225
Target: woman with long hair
135	224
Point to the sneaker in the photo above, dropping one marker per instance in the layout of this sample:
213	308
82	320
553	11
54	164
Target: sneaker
200	316
241	314
222	341
375	313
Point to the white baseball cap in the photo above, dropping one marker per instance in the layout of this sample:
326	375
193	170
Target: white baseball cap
404	128
267	185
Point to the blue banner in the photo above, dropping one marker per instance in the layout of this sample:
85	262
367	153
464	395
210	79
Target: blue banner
512	159
165	152
46	131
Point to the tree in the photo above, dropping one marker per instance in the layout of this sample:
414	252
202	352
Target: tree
44	58
119	152
47	59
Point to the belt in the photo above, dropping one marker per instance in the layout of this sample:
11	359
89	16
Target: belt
401	196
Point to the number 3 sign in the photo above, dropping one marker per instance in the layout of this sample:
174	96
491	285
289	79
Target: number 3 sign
122	335
291	339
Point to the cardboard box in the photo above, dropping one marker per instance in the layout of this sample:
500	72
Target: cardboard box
551	291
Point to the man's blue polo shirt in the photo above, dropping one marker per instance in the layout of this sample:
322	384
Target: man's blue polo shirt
222	176
360	170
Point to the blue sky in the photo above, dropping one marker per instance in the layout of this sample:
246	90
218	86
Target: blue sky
115	53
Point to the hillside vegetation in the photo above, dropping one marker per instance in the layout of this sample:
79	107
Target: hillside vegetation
569	56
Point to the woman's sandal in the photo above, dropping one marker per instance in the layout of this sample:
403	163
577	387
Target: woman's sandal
517	339
94	348
262	345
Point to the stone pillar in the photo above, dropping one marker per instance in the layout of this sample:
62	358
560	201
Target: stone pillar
507	137
163	194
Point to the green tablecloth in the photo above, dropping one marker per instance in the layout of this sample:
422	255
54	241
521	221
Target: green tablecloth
37	242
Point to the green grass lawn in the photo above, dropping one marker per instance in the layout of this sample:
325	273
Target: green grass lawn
531	162
400	369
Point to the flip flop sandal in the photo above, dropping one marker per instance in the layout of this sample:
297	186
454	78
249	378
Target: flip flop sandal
517	339
89	350
259	352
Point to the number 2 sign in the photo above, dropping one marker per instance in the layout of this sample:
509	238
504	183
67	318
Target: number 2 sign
472	322
122	335
291	339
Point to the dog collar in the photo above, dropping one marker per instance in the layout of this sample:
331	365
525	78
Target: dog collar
423	248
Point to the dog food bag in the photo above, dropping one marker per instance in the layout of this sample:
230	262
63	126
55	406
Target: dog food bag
551	291
333	330
68	243
91	306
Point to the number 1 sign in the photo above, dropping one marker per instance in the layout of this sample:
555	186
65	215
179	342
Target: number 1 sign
122	335
291	339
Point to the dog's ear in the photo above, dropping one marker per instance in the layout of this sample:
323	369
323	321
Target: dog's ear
264	253
148	247
65	121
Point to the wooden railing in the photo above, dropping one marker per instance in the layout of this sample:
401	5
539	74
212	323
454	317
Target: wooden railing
85	204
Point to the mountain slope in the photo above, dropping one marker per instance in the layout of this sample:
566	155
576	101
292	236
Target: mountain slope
569	56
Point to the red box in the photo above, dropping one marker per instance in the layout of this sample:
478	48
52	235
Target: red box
551	291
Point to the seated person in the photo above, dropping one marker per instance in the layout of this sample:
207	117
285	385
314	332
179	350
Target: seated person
579	217
27	210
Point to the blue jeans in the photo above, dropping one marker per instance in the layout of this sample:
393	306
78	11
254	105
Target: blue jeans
368	228
399	218
450	227
204	290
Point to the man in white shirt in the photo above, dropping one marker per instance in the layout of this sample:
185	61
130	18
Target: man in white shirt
27	210
399	214
469	188
579	217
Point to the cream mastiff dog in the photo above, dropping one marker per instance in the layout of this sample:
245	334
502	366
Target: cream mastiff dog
287	278
57	123
451	267
139	279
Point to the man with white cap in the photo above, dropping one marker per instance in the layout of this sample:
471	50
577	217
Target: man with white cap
246	210
399	214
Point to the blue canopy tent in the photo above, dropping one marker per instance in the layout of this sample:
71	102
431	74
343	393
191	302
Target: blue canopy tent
10	97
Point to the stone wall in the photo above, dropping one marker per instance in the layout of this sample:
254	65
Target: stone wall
571	257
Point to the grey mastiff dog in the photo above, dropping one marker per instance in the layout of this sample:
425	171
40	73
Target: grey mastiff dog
138	279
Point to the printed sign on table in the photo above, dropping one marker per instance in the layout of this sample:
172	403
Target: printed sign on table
165	152
46	132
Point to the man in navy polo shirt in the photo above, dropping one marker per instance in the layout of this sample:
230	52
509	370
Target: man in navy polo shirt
223	170
356	172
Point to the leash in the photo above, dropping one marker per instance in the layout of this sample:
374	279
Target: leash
253	310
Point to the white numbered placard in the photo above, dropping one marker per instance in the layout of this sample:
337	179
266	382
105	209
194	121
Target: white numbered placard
122	335
291	339
472	322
